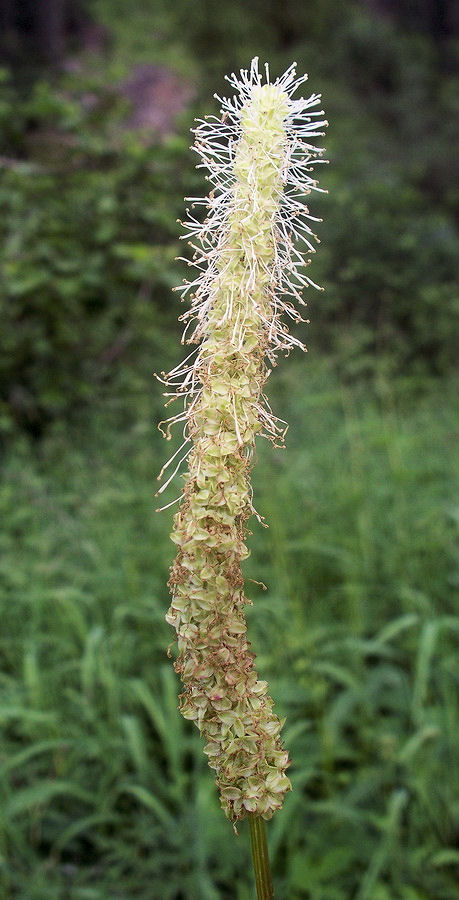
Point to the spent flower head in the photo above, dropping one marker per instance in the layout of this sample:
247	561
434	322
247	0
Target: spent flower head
250	260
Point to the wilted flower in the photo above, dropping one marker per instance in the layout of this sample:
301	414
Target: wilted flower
249	272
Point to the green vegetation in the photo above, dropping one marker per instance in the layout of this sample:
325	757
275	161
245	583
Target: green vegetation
104	790
89	236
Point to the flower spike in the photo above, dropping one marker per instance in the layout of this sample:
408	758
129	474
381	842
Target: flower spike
249	260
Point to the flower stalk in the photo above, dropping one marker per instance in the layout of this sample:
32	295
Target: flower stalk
260	858
249	274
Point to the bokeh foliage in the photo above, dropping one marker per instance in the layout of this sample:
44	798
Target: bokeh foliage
104	790
89	239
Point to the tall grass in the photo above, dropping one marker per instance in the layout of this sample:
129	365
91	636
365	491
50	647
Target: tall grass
103	787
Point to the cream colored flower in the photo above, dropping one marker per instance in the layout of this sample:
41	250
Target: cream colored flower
250	270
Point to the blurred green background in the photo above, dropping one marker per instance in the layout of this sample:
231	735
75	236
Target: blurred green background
104	790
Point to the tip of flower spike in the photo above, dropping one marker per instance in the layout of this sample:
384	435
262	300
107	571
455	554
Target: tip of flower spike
216	142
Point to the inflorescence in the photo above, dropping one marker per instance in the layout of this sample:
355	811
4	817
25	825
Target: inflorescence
250	256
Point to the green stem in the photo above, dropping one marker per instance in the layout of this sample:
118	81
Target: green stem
260	858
